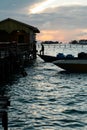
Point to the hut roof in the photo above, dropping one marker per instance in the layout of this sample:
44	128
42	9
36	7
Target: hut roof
36	30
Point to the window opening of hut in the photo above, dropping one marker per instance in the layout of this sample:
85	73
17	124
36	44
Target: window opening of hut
21	39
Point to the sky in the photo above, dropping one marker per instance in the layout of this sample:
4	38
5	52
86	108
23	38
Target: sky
57	20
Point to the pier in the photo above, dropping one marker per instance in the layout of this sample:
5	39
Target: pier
12	59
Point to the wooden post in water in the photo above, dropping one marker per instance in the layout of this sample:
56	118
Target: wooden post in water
4	103
5	120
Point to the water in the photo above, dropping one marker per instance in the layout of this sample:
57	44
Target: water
49	98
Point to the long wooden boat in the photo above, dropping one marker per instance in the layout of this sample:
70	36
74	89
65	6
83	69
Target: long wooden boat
48	58
72	65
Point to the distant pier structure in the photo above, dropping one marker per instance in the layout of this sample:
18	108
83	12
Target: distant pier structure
17	44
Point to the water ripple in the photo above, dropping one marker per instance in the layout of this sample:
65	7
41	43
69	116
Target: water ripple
47	99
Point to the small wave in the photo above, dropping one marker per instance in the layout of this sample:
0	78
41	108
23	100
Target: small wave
41	118
67	120
69	123
52	100
73	111
70	103
73	125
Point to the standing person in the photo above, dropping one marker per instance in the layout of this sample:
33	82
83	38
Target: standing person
34	51
42	49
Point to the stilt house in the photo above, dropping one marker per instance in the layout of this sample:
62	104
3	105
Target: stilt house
13	31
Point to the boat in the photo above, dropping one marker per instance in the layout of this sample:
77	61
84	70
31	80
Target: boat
59	56
72	65
75	64
48	58
68	63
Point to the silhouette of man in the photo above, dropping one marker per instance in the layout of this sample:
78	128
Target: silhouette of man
42	49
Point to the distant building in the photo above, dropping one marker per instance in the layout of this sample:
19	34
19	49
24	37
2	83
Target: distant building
14	31
50	42
83	41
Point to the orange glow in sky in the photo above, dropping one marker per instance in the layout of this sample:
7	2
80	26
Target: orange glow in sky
60	35
51	35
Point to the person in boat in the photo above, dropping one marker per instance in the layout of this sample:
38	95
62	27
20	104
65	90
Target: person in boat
42	49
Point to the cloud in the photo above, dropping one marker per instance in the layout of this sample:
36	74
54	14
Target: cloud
65	23
64	17
16	4
43	5
59	18
68	23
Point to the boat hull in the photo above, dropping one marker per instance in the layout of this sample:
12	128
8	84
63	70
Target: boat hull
74	65
48	58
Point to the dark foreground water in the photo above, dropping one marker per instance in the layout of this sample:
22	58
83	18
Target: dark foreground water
48	98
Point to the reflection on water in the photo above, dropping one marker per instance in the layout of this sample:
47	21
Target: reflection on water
4	103
48	98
